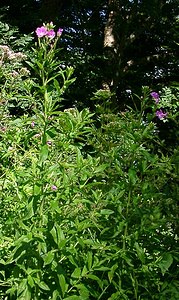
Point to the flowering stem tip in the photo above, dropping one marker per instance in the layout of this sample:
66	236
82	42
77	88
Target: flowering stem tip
160	114
48	31
155	96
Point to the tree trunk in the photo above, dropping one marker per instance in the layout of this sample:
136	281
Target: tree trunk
117	37
111	49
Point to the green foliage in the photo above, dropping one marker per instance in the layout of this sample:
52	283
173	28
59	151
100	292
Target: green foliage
169	100
86	212
10	36
15	81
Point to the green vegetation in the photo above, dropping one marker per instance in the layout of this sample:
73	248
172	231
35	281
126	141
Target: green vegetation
88	199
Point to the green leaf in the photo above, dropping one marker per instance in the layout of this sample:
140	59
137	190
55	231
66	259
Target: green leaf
106	212
73	262
127	259
117	296
22	286
63	284
140	252
89	259
111	272
52	133
55	295
76	273
120	194
30	210
100	169
37	189
43	286
56	85
94	277
54	234
165	263
84	271
84	292
26	294
73	298
11	291
39	65
30	281
132	176
2	261
102	268
48	258
22	225
58	235
43	153
61	236
20	250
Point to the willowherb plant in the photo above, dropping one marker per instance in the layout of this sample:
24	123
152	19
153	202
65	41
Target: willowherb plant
166	103
38	173
51	78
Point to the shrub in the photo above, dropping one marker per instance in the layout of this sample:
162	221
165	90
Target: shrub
86	212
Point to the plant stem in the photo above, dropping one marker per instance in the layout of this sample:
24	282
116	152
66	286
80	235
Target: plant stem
127	212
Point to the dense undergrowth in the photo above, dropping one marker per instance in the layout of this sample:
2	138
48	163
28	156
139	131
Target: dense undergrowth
88	201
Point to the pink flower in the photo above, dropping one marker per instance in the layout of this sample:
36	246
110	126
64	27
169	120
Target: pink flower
3	129
160	114
14	74
32	124
53	187
37	135
59	32
155	96
41	31
51	33
49	143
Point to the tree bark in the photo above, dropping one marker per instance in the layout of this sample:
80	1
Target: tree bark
110	45
117	37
